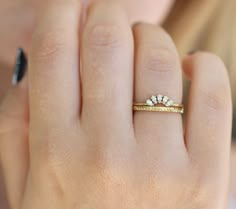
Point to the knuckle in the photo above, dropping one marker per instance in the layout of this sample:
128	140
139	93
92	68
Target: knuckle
215	87
107	36
213	99
48	45
161	60
216	67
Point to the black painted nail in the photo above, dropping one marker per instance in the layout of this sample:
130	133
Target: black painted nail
20	67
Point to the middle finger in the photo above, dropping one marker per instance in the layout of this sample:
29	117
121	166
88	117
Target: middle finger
107	71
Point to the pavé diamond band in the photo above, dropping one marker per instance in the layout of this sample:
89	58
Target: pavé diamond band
159	103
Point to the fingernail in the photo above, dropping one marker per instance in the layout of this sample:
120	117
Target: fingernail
20	67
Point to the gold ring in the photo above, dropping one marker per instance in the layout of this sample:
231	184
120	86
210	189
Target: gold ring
159	103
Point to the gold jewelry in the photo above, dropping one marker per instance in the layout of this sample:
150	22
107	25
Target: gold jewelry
159	104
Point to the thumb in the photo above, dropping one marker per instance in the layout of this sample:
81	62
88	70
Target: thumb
14	133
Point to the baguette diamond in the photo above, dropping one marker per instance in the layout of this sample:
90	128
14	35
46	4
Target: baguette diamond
154	99
149	102
165	99
169	103
159	98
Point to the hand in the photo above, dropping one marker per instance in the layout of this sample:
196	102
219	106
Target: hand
78	143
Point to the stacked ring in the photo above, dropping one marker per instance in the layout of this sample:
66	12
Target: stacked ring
159	103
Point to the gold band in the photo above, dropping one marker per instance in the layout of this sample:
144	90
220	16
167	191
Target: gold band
175	108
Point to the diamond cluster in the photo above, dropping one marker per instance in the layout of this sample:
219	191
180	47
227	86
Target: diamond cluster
159	99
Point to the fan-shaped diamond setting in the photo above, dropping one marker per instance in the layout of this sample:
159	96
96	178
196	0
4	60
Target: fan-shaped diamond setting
160	99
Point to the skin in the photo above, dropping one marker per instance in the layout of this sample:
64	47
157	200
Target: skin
233	172
21	15
72	141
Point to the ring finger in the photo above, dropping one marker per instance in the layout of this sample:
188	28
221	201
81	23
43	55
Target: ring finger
158	71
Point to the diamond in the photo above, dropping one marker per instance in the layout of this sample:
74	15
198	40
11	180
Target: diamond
165	99
169	103
154	99
149	102
159	98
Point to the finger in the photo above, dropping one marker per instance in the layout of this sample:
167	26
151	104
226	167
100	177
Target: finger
54	83
54	68
208	125
14	141
158	71
107	60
